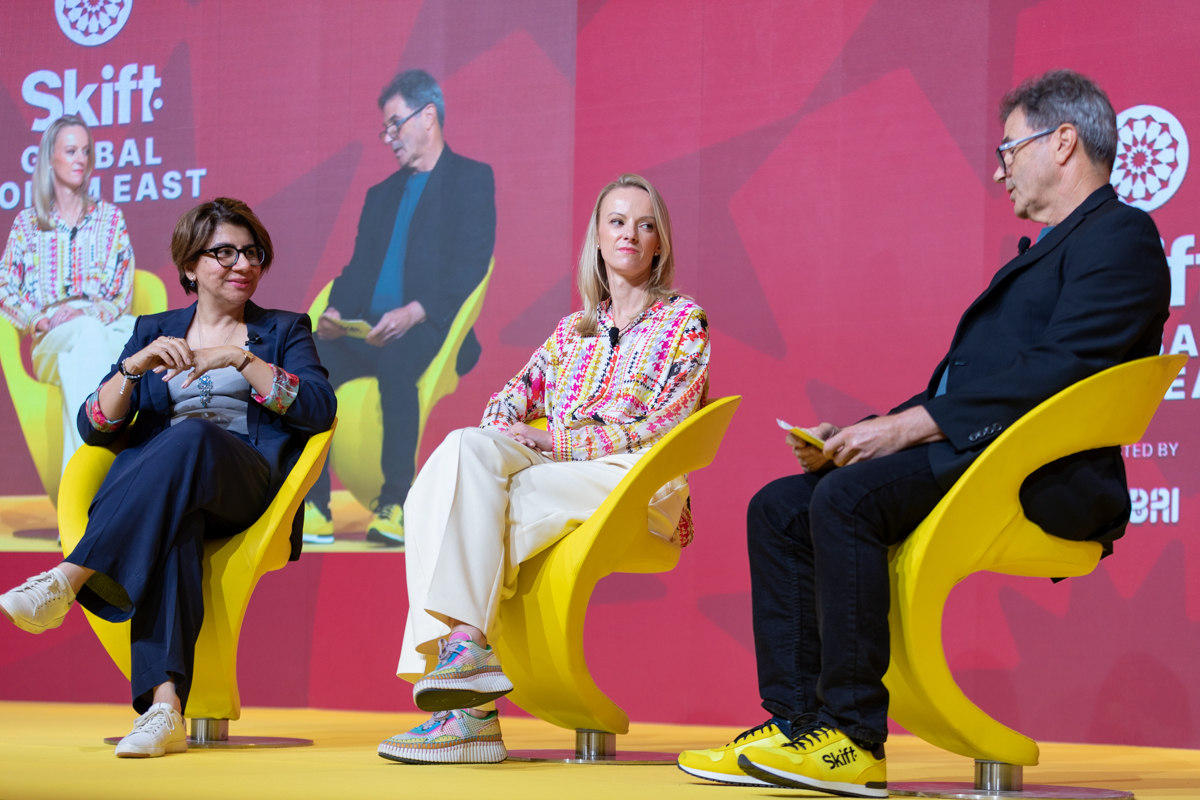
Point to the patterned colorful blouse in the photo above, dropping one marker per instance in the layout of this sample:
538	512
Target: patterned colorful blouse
41	269
600	400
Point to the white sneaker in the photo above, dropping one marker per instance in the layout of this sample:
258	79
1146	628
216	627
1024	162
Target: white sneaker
157	732
40	603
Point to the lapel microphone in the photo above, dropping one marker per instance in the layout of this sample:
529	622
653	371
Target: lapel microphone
254	339
1023	244
614	336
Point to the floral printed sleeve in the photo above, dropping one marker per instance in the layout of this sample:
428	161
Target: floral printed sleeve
284	388
524	397
96	416
114	283
684	390
13	305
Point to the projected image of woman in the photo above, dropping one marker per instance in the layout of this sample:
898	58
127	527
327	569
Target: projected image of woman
66	277
226	395
611	381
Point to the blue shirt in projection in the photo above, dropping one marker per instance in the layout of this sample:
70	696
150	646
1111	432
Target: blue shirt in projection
941	390
389	288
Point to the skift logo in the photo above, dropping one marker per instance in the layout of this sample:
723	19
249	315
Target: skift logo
1152	156
841	758
92	22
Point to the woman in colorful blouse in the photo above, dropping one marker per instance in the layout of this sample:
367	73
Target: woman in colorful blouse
67	273
226	395
610	381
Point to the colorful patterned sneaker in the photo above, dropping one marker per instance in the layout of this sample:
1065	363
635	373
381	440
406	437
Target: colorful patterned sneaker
720	763
387	526
318	528
157	732
823	760
40	603
466	676
449	737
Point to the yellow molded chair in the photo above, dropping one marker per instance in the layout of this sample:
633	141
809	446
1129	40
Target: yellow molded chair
979	526
39	405
359	446
540	638
232	568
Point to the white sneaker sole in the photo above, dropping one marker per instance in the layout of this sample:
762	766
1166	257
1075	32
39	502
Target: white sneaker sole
28	626
721	777
793	781
448	694
152	752
465	753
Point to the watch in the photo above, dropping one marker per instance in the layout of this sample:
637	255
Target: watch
249	357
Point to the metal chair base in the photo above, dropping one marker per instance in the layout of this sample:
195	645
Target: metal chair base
594	747
213	734
996	780
967	791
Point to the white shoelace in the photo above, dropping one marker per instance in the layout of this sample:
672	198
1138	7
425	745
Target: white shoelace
44	589
152	721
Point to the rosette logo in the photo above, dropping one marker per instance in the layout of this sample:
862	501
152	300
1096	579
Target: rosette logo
1152	156
92	22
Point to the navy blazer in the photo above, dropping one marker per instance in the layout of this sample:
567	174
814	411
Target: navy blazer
450	241
1093	293
283	338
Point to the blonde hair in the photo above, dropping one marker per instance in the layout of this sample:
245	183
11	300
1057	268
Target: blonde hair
43	171
592	276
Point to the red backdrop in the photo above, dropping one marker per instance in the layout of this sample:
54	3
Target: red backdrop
827	166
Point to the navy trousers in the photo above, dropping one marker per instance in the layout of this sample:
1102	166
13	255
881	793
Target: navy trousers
818	547
145	539
398	365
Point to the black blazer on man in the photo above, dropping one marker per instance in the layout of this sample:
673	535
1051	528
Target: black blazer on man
450	241
1092	294
283	338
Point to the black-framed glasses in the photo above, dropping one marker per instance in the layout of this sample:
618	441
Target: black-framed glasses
227	255
392	129
1012	147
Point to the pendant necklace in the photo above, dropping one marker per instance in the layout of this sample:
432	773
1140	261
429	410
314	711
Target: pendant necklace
205	384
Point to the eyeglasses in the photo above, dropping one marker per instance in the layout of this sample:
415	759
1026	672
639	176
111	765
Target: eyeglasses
1011	147
392	129
227	255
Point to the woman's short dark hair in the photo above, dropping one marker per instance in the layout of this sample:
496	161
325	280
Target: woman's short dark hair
196	228
1063	95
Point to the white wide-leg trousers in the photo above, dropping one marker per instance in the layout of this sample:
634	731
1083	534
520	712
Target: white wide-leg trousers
75	357
483	504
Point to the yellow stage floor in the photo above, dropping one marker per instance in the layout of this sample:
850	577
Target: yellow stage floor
29	524
50	750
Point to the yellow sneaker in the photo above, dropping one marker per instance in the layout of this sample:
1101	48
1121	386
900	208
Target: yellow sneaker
318	528
822	760
720	763
387	526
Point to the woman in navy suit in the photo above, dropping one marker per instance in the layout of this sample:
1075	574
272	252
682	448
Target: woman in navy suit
226	395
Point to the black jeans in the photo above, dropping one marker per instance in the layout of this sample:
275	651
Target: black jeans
818	548
398	365
145	539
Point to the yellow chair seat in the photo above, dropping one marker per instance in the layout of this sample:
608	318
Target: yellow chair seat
358	448
540	636
232	568
980	526
39	405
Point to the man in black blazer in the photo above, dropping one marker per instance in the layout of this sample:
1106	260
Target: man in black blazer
1091	293
425	239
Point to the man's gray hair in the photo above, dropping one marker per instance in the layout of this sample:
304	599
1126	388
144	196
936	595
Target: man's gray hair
419	89
1064	96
